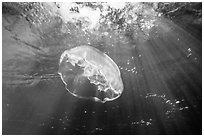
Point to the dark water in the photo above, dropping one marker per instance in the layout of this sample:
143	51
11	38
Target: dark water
162	78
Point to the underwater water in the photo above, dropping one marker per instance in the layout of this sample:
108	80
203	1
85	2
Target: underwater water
158	65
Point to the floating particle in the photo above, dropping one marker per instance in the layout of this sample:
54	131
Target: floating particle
177	102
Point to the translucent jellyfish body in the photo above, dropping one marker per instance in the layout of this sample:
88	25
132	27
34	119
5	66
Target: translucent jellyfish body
90	74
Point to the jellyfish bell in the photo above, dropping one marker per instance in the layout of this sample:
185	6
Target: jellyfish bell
90	74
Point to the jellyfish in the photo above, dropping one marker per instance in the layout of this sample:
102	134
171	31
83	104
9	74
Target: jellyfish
90	74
